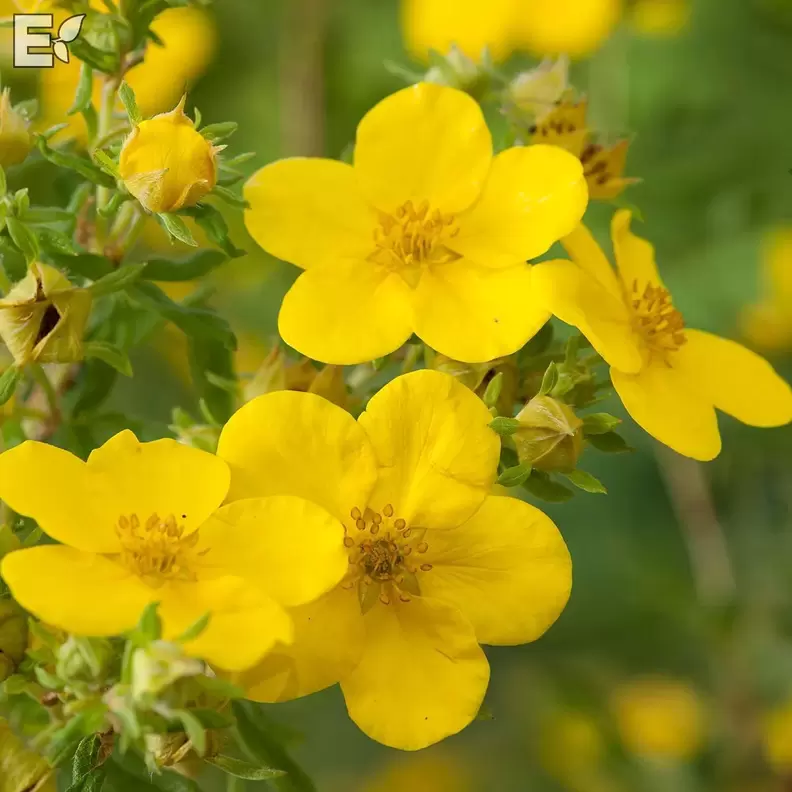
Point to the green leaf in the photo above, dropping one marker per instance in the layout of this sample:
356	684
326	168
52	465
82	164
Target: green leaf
587	482
212	719
609	443
541	486
107	164
241	769
504	426
195	629
194	729
540	343
100	59
514	476
84	768
599	423
211	220
94	385
150	625
47	216
215	133
81	165
82	100
261	741
196	266
23	238
493	391
110	354
550	379
177	228
118	280
86	265
229	197
14	262
9	380
65	740
127	96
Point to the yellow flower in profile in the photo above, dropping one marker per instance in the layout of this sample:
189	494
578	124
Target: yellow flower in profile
166	163
671	379
659	717
142	523
427	233
768	323
436	565
574	27
188	39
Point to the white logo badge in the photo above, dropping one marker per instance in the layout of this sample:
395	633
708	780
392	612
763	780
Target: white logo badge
30	41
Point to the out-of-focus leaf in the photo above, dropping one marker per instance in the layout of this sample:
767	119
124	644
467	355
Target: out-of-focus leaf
197	265
241	769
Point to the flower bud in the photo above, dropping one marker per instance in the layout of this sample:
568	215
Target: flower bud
15	139
167	164
477	377
21	770
550	437
83	659
456	70
43	317
13	637
537	91
158	666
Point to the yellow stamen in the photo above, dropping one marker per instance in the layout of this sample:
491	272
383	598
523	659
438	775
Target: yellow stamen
655	319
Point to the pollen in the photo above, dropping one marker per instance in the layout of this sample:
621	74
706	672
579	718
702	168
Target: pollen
656	320
379	557
412	238
157	550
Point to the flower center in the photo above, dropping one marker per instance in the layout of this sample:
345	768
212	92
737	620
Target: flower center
156	550
655	319
412	238
384	557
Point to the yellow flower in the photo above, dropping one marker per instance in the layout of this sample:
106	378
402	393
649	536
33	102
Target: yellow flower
777	738
660	17
436	567
15	139
660	718
142	523
43	317
670	379
429	771
427	233
166	163
574	27
188	42
768	323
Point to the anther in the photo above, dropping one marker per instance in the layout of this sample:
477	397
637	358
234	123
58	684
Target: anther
426	567
400	524
388	510
423	547
355	514
348	542
361	525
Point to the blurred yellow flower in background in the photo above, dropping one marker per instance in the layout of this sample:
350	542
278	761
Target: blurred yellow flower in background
188	44
670	378
427	233
660	718
660	18
429	771
777	738
768	323
574	27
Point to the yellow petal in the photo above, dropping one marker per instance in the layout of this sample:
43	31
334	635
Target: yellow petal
574	27
635	257
59	492
328	642
79	592
439	24
584	250
289	547
507	569
288	443
534	196
423	143
163	477
664	402
436	452
309	212
422	676
346	313
475	314
244	623
736	380
577	298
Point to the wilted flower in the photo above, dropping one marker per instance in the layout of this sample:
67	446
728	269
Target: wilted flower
550	436
166	163
43	317
15	139
21	770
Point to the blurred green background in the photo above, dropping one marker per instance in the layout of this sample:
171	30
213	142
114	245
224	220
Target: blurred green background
671	669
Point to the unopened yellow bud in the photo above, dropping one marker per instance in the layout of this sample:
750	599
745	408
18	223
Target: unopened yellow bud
550	437
43	317
167	164
13	637
15	139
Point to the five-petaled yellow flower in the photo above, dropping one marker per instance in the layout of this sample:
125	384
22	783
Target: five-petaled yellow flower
436	565
142	523
427	233
670	378
574	27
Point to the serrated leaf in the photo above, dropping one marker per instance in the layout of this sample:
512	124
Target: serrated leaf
118	280
110	354
196	266
514	476
609	443
9	380
599	423
587	482
70	28
84	764
541	486
241	769
177	228
127	96
504	426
